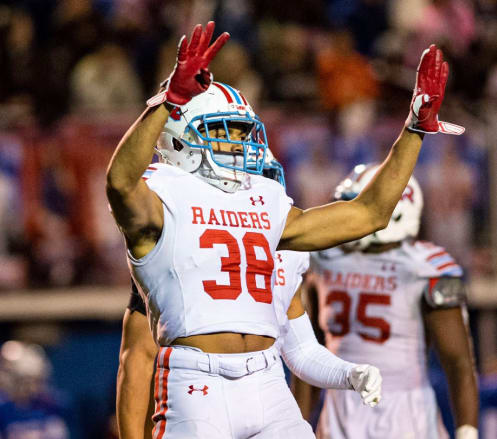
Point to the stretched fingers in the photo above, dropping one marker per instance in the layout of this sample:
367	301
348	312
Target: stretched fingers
182	49
206	37
444	75
195	39
216	47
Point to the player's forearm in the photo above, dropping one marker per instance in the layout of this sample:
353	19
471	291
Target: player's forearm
133	398
136	149
463	391
384	191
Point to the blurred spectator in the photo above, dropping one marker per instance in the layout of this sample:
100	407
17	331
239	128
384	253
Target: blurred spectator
286	62
404	15
353	142
237	18
18	58
316	178
17	53
366	20
28	406
344	75
14	268
437	24
104	82
240	73
449	192
49	193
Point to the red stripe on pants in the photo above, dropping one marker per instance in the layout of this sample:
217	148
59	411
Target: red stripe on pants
160	393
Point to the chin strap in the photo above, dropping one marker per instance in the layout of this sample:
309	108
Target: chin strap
208	175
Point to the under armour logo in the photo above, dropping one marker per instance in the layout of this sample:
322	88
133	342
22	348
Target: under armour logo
260	200
280	259
175	114
408	193
193	389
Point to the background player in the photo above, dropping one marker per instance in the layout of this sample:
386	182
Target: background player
138	350
379	298
29	408
186	232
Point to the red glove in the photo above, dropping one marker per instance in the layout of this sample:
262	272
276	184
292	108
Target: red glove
190	75
428	95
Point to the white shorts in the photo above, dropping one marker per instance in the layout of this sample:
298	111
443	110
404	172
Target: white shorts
224	396
403	414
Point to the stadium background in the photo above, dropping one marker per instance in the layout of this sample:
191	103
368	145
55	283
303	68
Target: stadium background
331	79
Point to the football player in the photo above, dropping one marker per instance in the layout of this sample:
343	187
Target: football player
138	350
383	300
202	232
29	408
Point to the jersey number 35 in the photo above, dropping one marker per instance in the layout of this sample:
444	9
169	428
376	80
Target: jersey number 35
341	303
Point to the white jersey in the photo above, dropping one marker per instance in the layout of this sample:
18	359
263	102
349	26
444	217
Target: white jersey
373	303
289	268
212	268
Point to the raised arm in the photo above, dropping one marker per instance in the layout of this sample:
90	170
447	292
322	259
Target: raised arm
449	334
329	225
138	210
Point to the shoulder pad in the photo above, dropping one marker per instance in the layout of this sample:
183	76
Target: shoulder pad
434	261
162	169
445	292
321	258
295	261
149	172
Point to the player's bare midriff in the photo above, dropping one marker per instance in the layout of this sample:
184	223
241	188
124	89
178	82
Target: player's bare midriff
226	342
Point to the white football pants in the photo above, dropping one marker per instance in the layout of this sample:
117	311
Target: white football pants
224	396
403	414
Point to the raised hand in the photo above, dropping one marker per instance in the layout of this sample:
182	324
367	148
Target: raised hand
428	95
366	380
190	75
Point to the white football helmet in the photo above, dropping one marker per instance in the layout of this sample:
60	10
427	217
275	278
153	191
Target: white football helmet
405	219
186	143
24	368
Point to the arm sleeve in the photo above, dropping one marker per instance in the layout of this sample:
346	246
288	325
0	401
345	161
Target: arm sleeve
312	362
136	302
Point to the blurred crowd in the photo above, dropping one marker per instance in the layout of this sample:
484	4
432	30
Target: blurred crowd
331	79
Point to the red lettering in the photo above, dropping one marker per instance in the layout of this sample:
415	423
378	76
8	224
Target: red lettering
380	283
355	280
408	193
244	219
265	220
222	216
175	114
232	216
327	276
280	277
392	283
212	218
255	220
198	214
365	282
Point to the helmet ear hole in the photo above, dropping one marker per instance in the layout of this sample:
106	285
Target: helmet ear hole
177	145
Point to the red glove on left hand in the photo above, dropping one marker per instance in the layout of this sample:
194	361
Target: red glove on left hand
190	76
428	95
